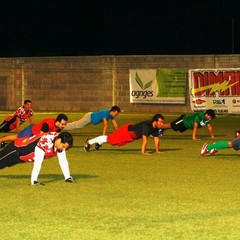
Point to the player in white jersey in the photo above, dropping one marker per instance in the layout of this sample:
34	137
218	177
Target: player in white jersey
36	148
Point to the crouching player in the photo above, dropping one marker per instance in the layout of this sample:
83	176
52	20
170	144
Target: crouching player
36	148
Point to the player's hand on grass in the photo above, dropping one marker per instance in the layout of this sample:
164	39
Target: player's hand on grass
196	138
146	153
160	152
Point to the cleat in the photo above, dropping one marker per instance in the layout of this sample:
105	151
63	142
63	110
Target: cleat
204	150
213	151
97	146
36	183
70	179
3	144
87	146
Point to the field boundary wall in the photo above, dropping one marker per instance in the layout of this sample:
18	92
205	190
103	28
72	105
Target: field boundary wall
89	83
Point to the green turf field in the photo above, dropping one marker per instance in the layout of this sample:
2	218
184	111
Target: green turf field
121	194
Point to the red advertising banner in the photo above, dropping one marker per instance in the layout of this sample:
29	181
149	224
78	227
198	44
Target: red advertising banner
218	89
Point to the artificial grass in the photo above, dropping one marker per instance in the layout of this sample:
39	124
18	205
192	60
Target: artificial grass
121	194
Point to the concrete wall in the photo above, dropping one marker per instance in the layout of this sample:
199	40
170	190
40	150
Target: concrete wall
89	83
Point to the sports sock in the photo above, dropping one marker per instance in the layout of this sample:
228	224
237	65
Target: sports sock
218	145
100	140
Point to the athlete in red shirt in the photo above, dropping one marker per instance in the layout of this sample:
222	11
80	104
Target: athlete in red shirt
36	148
46	125
19	117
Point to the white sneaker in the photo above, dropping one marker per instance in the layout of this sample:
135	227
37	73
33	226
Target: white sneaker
213	151
204	150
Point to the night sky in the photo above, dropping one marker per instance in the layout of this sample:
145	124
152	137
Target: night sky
77	28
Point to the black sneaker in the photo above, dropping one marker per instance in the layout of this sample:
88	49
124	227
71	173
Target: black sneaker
86	146
97	146
3	144
70	179
36	183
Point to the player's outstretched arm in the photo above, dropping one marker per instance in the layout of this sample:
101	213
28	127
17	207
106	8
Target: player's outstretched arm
104	126
157	144
18	125
31	120
144	145
115	125
210	131
194	132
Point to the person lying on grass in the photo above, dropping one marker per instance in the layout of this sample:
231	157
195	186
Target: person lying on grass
36	148
213	148
130	132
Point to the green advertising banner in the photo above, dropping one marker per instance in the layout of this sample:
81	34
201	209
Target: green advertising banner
167	86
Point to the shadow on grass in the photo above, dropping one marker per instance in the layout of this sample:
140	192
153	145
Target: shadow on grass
50	177
177	137
223	156
116	149
198	216
87	135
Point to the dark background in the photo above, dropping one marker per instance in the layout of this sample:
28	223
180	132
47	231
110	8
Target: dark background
72	28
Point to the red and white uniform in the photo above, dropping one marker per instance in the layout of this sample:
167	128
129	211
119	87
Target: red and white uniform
45	148
42	147
22	114
45	142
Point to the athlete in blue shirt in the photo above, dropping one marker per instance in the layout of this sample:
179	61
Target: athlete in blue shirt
95	118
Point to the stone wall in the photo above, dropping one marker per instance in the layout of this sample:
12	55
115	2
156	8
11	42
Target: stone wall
89	83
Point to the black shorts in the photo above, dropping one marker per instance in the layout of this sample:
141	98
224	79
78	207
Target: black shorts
5	126
9	156
178	125
236	144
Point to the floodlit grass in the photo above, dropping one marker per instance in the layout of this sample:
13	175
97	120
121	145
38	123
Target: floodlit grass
121	194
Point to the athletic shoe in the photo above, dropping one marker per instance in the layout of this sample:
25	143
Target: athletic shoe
87	146
213	151
204	150
36	183
70	179
3	144
97	146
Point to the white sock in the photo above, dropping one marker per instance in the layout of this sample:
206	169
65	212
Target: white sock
100	140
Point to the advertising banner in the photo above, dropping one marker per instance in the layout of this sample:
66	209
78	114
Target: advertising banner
218	89
165	86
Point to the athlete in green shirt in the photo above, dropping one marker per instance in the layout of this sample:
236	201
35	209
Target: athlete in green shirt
194	121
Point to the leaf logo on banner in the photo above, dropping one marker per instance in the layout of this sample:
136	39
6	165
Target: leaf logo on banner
140	83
